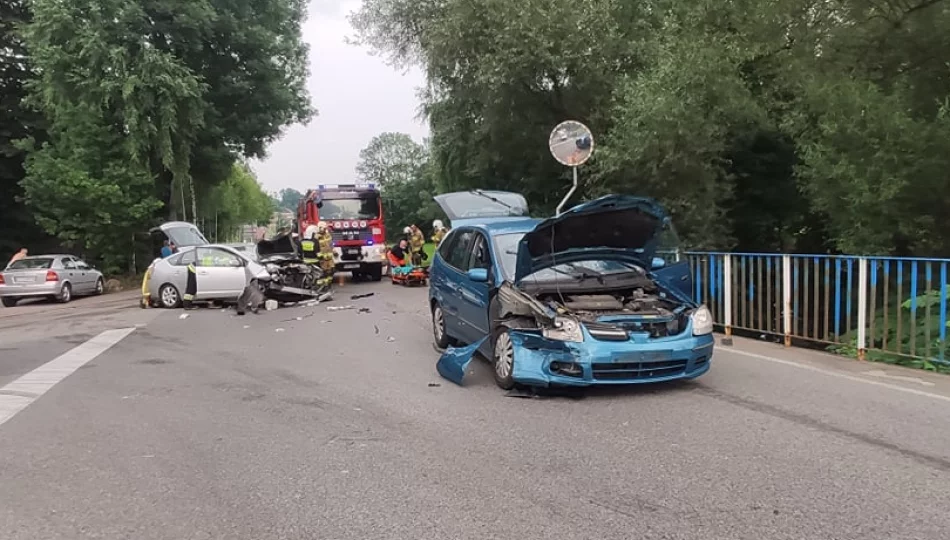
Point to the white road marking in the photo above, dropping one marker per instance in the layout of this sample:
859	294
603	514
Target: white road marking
15	396
839	375
884	375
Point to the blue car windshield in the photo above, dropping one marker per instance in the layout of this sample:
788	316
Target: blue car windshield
506	245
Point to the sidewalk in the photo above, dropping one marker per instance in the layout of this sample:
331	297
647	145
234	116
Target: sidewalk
840	366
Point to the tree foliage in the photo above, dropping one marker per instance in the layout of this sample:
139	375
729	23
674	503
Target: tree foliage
789	125
238	200
287	198
407	180
17	121
147	104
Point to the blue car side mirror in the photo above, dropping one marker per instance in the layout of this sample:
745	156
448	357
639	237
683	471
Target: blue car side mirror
657	263
478	275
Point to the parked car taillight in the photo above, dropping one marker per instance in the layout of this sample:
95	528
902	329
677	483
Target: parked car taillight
1	279
51	276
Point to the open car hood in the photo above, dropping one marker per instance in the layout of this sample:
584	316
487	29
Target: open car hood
282	244
614	227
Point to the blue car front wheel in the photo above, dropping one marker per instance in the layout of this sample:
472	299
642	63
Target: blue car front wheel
503	358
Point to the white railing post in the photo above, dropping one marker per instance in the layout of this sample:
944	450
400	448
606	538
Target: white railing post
787	299
727	292
862	306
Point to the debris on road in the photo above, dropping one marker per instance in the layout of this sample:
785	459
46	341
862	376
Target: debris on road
339	308
434	385
270	305
376	328
279	330
455	360
390	339
300	318
364	310
364	295
183	316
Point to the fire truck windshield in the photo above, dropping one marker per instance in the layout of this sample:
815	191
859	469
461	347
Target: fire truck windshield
362	208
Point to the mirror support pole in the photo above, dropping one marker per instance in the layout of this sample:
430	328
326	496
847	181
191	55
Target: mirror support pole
569	193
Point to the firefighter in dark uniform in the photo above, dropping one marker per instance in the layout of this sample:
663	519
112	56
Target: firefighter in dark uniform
325	242
191	288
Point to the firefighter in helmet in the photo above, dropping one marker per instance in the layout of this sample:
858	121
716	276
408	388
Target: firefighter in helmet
325	253
191	286
309	247
438	232
417	242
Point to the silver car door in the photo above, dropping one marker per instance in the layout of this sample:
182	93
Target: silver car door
72	275
85	275
220	273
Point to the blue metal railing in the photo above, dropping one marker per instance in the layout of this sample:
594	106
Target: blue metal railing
885	307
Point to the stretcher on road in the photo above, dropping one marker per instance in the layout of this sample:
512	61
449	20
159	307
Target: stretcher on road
407	275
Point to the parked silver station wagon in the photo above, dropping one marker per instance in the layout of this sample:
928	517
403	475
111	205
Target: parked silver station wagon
58	277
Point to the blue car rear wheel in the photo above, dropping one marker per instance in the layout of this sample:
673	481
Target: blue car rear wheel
439	335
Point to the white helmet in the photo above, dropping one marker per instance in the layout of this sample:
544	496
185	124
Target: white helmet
322	225
407	230
437	224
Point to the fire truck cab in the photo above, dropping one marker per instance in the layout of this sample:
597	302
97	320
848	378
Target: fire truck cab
354	213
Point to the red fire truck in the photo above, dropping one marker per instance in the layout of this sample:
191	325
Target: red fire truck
354	213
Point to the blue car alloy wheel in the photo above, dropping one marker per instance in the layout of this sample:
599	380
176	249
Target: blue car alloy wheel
503	358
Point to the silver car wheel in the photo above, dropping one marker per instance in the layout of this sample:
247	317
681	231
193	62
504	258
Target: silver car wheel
66	293
504	356
99	286
169	296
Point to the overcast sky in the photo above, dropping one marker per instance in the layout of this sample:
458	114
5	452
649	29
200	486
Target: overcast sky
357	96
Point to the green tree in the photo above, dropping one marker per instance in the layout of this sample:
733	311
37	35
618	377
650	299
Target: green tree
17	121
237	201
407	180
176	89
84	190
391	158
763	126
287	198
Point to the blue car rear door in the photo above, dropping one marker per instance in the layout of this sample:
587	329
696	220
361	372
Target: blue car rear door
450	278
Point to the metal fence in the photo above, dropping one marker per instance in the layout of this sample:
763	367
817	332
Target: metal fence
888	309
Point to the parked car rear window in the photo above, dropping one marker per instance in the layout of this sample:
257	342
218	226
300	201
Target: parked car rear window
28	264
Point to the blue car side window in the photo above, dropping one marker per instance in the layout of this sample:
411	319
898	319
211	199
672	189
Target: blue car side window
480	258
461	248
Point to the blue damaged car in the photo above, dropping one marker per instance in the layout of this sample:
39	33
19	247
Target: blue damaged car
594	296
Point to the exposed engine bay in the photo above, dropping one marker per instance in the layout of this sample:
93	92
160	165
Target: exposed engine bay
589	307
290	278
607	314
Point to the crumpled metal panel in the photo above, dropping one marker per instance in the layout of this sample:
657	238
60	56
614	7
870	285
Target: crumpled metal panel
455	360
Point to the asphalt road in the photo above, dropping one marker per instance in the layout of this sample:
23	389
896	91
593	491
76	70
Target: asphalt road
336	426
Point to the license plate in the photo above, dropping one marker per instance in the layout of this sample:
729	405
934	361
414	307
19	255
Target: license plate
352	251
24	279
351	266
654	356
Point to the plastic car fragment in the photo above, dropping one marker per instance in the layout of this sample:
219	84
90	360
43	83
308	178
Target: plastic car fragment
455	360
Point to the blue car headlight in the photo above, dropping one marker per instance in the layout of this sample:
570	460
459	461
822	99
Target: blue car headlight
564	329
702	321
